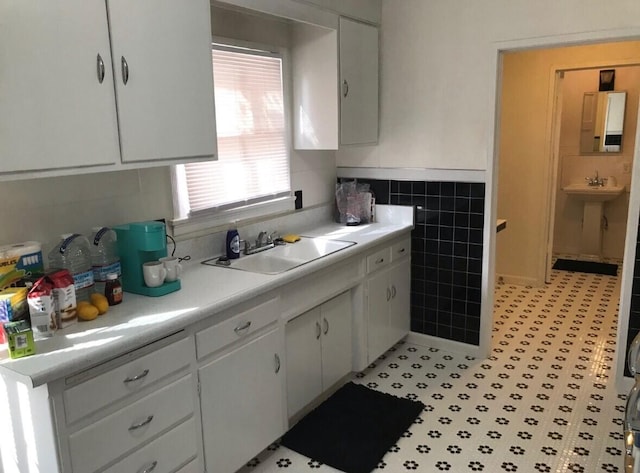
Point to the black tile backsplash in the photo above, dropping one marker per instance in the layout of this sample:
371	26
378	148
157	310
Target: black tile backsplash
446	254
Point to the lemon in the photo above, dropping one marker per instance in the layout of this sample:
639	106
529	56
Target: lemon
87	311
100	302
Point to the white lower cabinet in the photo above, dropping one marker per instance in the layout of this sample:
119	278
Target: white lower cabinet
241	397
388	299
318	347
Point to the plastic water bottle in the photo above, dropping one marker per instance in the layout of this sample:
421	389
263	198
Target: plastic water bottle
104	256
72	253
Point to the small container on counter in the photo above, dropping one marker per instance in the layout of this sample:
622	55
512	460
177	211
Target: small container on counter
113	289
19	339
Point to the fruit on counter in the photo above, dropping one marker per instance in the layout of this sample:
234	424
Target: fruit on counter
100	302
87	311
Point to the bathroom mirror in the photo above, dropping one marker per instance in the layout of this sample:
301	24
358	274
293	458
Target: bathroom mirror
602	122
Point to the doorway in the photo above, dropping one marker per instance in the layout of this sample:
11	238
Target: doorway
578	123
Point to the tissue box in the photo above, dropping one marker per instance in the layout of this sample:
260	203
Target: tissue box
20	339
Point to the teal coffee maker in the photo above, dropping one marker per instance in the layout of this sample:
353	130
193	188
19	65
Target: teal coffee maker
139	243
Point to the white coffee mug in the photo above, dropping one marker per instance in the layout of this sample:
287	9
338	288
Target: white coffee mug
173	267
154	273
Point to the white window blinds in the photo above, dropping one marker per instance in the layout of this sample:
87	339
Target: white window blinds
253	163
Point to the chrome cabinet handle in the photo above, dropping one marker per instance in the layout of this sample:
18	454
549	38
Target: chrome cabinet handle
318	331
148	468
326	325
100	68
242	328
137	377
393	292
125	70
380	261
345	88
139	425
277	358
388	294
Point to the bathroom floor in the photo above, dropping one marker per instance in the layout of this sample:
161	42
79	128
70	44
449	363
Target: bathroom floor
545	401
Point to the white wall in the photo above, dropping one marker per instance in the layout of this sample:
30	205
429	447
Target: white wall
438	75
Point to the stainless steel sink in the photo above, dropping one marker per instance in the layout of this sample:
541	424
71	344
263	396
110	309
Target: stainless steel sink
284	258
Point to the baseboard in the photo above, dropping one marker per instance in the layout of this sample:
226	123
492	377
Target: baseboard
443	344
516	280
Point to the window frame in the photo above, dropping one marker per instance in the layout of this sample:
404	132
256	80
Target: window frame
209	220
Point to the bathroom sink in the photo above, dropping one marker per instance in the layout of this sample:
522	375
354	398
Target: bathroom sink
283	258
593	193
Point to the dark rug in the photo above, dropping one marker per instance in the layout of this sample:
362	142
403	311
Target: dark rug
353	429
586	267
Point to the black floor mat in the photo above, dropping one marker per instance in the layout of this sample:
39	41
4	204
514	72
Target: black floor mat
353	429
586	267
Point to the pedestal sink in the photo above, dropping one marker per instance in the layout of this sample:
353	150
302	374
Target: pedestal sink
594	198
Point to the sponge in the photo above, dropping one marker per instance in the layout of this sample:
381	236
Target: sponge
291	238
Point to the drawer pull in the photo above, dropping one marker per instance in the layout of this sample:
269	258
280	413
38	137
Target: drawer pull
137	377
388	294
401	250
393	292
100	69
318	331
277	358
139	425
242	328
326	326
149	467
380	261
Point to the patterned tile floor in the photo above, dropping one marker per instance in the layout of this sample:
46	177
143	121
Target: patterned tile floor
545	400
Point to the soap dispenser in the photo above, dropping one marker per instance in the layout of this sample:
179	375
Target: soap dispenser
233	244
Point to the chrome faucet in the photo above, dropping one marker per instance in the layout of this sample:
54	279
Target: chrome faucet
595	181
263	242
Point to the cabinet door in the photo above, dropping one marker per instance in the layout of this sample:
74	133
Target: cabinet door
304	375
378	297
400	307
358	82
165	102
241	398
336	339
55	111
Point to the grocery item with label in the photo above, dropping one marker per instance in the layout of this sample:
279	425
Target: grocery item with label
73	253
19	261
42	308
104	257
64	297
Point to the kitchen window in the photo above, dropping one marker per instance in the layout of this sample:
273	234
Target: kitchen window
251	176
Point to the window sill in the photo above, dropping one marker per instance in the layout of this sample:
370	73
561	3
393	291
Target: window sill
191	227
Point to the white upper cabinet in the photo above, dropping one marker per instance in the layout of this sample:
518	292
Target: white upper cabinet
57	99
56	88
163	77
359	83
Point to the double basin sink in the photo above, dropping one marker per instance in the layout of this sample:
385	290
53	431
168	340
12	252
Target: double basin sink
286	257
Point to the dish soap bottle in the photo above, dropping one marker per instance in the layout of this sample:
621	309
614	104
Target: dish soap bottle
233	244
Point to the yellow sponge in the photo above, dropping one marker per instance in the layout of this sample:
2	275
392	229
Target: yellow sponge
291	238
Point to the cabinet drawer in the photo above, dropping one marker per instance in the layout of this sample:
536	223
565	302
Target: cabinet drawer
122	431
237	327
131	377
401	249
164	454
379	259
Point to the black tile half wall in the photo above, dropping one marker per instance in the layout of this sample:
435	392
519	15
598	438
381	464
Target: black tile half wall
446	255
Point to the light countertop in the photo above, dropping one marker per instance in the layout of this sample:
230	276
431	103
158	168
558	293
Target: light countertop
206	291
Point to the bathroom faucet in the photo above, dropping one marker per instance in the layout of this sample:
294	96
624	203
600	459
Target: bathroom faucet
595	181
